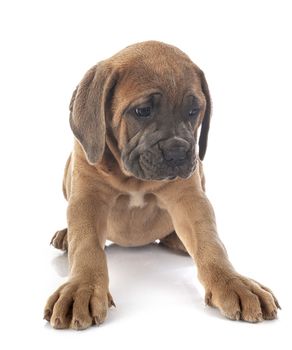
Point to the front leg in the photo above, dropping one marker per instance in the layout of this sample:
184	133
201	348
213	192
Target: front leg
85	298
237	297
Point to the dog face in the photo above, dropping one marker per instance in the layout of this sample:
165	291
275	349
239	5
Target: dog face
150	100
161	136
159	122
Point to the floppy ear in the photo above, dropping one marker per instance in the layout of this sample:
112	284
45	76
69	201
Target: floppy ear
88	108
203	141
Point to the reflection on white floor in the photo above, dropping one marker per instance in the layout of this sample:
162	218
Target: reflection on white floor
151	282
147	278
160	303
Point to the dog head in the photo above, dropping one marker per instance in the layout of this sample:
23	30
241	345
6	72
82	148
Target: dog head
148	101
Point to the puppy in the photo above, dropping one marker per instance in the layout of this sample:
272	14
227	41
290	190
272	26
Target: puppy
135	175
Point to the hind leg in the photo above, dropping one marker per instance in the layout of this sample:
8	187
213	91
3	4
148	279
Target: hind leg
174	243
59	240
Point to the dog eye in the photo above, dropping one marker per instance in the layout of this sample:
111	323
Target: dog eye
143	112
193	112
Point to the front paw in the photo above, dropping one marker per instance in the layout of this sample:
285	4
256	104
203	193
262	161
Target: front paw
240	298
77	305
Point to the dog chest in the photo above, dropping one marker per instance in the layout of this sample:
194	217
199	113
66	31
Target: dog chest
136	199
135	219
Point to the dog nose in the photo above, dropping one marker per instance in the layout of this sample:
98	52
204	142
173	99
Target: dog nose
175	154
174	151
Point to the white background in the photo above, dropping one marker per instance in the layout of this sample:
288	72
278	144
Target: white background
244	47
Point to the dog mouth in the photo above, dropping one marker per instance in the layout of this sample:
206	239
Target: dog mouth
166	159
166	170
152	166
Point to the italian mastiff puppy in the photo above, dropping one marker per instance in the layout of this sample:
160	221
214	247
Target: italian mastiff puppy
141	120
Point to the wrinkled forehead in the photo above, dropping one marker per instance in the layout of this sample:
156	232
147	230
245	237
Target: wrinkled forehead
172	78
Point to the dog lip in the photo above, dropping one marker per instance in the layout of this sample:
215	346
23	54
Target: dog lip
145	169
175	163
